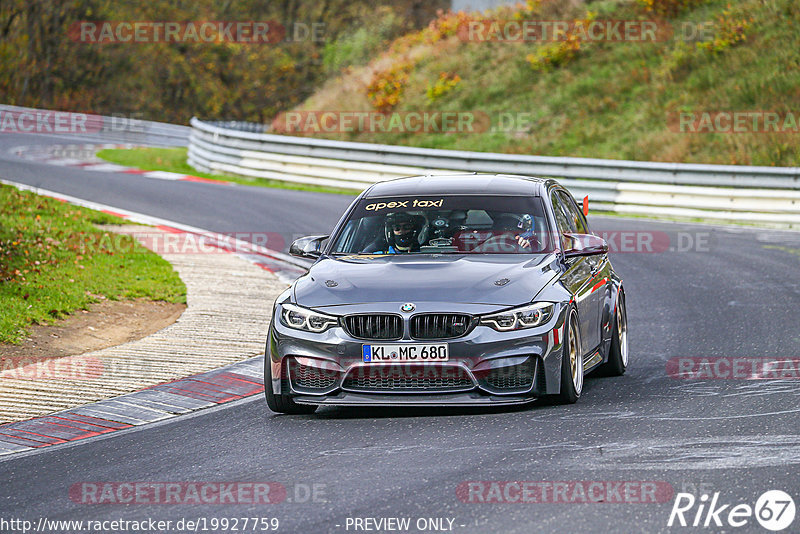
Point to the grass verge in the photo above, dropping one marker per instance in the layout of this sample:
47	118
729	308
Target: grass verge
614	100
53	261
174	160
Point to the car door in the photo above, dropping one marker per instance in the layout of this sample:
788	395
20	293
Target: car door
578	275
598	267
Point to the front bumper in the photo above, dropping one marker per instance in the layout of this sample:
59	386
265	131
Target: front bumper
485	367
418	400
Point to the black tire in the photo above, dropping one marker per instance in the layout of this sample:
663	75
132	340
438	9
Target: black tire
618	351
571	362
282	403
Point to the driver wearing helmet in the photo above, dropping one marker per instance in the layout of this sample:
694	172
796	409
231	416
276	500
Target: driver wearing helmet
402	233
525	237
520	226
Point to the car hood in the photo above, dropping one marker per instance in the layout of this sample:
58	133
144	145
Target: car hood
501	280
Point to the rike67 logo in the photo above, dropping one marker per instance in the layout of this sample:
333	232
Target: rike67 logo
774	510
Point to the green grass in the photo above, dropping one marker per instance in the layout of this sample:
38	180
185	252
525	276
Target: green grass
612	100
174	160
54	260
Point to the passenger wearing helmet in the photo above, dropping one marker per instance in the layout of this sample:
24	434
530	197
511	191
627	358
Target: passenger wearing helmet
402	232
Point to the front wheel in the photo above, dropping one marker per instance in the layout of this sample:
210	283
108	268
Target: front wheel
618	352
571	362
281	403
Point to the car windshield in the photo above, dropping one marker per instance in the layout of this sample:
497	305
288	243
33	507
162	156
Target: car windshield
444	224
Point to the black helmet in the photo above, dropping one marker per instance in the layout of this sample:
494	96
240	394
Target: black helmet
512	222
405	240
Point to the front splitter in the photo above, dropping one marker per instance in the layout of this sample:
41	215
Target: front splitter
452	399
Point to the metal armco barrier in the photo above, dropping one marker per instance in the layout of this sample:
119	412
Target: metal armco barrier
765	195
88	127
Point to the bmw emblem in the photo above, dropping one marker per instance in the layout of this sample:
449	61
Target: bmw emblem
408	307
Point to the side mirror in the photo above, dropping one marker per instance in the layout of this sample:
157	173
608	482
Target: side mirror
584	245
308	247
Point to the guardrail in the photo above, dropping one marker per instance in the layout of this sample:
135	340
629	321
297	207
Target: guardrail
88	127
767	195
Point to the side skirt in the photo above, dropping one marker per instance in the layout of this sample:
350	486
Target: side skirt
592	360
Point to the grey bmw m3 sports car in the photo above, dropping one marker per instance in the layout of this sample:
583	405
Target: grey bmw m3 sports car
448	290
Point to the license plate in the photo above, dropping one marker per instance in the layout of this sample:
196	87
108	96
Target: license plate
435	352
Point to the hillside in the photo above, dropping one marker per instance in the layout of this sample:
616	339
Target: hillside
83	55
601	98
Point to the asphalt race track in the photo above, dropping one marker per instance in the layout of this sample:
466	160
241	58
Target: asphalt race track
734	293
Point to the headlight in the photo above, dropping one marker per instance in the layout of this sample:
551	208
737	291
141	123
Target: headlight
304	319
520	318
